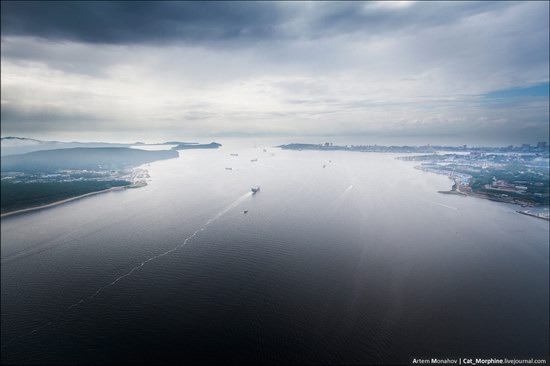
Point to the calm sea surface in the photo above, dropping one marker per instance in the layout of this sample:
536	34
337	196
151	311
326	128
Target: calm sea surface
358	262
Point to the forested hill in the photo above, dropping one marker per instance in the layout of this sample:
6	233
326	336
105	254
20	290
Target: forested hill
82	158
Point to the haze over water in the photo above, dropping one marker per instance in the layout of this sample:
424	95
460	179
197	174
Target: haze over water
359	262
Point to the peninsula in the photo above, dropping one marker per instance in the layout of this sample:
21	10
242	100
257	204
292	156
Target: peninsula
189	146
521	179
46	178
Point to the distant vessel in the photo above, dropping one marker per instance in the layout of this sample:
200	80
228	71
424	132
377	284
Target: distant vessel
228	168
254	160
324	166
234	154
245	211
255	189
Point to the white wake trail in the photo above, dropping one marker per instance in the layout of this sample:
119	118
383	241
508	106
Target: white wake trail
440	204
132	270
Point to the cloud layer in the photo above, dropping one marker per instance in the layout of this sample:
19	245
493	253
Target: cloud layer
230	68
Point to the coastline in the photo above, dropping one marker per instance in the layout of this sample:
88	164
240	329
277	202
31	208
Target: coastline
57	203
532	214
487	197
455	190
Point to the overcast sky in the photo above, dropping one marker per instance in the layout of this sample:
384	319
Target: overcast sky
452	71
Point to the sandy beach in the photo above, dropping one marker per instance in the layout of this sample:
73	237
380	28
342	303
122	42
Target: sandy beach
57	203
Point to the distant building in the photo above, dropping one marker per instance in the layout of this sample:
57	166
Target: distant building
525	146
541	145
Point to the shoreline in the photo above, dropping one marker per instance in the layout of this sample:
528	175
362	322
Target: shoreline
57	203
455	190
527	213
489	198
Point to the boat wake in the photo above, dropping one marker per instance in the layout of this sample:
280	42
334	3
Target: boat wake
440	204
338	200
343	194
136	268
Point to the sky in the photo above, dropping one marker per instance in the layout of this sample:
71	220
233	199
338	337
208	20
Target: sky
426	72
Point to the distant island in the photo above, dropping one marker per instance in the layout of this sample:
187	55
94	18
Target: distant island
82	158
141	143
41	178
189	146
328	146
12	145
177	143
541	147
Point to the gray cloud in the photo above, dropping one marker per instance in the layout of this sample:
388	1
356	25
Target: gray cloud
122	22
273	68
117	22
25	119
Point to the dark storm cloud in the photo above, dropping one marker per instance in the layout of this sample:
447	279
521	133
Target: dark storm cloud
134	22
148	22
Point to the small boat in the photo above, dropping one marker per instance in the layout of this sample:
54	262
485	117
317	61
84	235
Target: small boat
254	160
324	166
228	168
245	211
255	189
234	154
